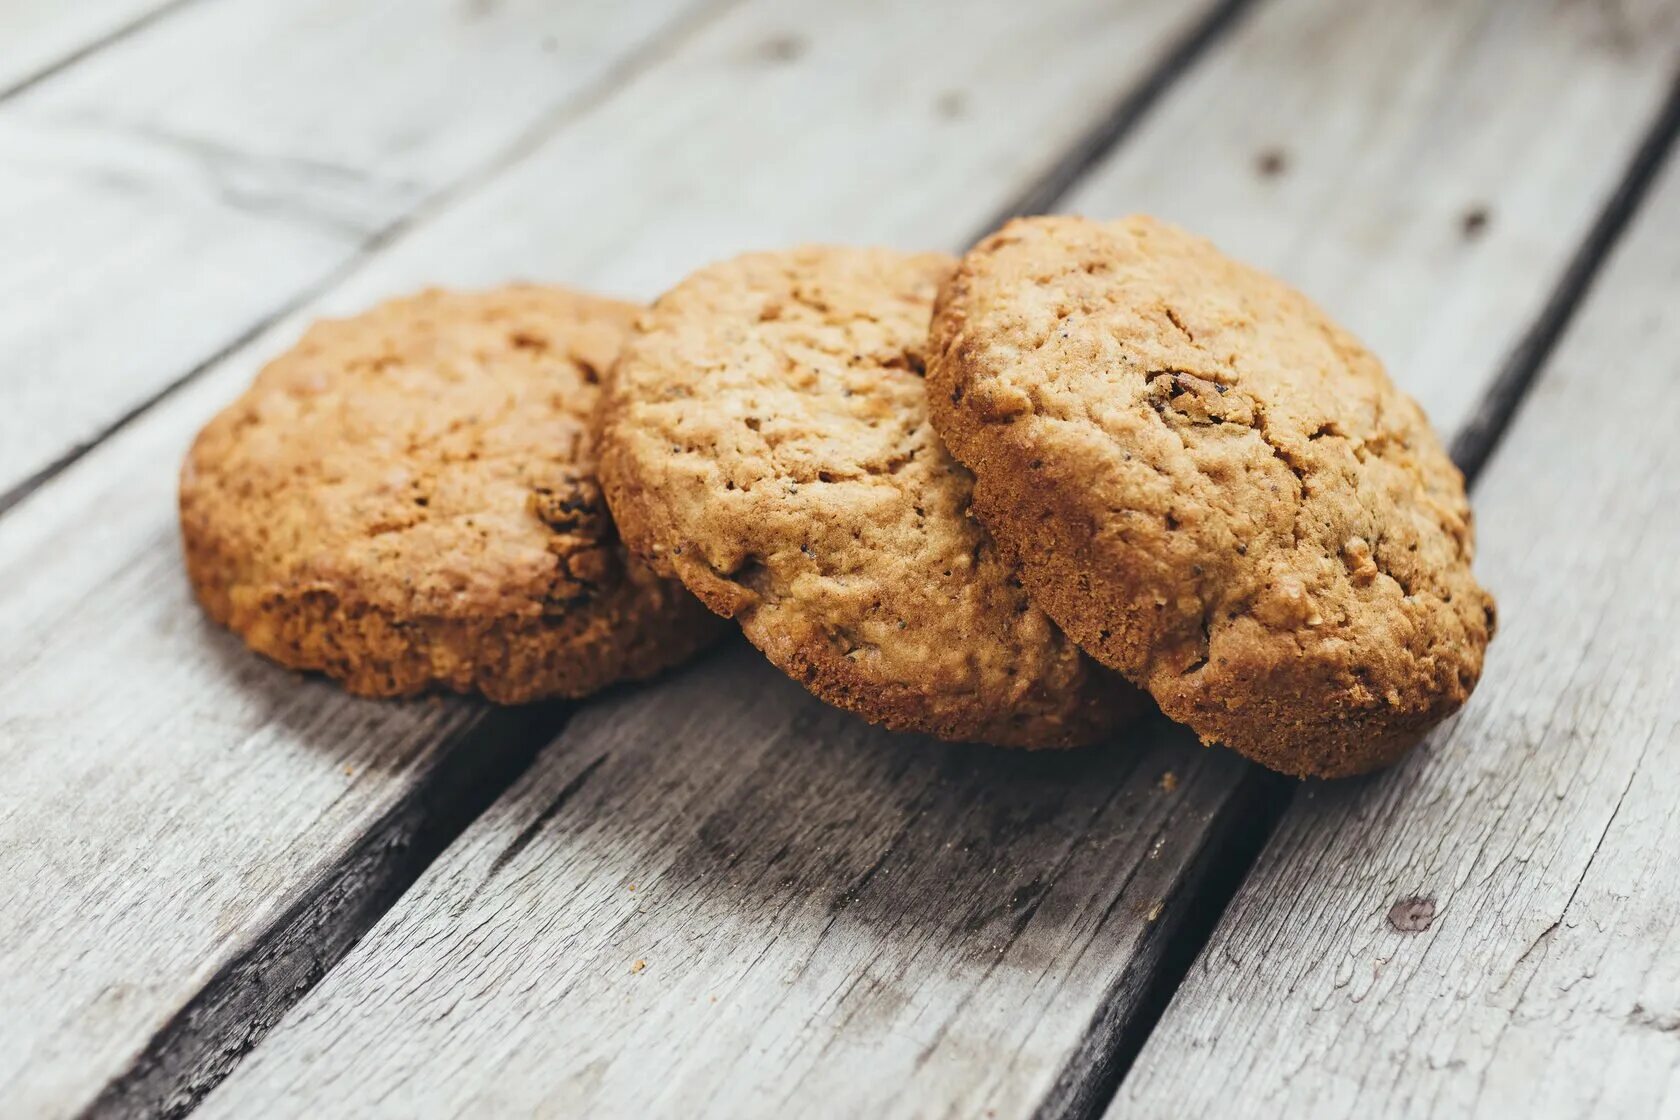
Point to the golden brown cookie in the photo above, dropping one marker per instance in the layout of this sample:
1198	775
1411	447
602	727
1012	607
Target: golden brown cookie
764	437
406	500
1213	488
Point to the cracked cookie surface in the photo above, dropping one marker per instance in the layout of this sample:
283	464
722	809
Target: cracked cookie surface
1213	488
406	500
764	437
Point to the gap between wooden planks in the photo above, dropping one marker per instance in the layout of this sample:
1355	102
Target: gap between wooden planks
1637	43
1492	929
184	188
719	898
45	36
180	814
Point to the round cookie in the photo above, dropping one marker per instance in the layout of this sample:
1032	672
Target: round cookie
764	438
406	500
1213	488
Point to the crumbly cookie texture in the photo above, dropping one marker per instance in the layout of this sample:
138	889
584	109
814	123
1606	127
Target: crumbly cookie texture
406	500
1213	488
764	437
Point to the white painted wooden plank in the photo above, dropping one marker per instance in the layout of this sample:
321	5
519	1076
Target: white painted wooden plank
36	35
1424	170
166	197
1542	829
228	803
505	980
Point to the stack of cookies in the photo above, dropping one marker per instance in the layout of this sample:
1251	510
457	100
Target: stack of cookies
988	499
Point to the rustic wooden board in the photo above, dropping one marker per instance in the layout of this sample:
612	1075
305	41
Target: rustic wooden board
1424	170
184	812
182	188
507	978
762	899
165	795
414	94
1493	928
882	123
43	34
126	266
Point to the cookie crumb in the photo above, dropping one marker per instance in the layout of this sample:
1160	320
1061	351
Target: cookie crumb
1169	782
1412	914
638	966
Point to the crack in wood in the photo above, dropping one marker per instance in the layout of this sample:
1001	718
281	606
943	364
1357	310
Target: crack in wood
531	831
1138	998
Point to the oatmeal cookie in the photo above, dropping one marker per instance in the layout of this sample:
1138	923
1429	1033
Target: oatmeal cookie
1212	488
764	438
406	500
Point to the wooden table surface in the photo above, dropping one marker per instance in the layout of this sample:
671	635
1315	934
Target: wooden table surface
230	889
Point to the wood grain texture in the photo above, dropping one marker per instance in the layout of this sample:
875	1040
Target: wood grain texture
184	811
1493	928
167	197
764	900
873	122
1423	170
126	266
412	93
507	980
145	766
43	34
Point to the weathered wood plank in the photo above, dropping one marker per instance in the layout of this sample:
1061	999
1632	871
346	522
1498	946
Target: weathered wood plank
1540	976
1431	204
413	95
834	137
43	34
766	901
234	857
125	267
185	187
506	980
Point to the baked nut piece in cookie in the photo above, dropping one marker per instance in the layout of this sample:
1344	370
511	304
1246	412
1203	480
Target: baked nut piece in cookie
1213	488
406	500
764	437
